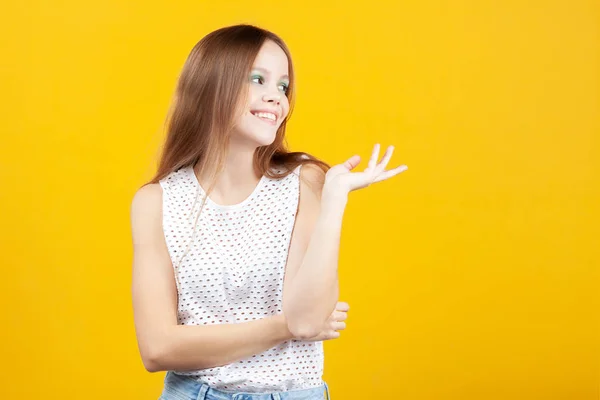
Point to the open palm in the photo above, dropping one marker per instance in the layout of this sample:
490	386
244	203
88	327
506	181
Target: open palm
340	176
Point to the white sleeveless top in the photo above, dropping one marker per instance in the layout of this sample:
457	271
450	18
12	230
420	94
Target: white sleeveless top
233	273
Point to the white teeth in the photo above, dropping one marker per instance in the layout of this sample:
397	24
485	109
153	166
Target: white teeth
269	116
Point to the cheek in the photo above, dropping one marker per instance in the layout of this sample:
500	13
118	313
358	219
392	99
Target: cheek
254	95
285	106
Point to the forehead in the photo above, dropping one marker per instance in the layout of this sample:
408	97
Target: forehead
272	58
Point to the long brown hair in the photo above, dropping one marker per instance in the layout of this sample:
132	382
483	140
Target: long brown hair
209	96
210	92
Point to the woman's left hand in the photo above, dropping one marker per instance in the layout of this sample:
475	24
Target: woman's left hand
340	179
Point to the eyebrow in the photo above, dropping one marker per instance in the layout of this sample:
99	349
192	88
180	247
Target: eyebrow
266	71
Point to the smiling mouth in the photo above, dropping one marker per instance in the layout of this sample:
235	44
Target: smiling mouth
267	117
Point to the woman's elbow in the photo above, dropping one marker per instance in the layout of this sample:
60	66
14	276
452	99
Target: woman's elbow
152	365
152	358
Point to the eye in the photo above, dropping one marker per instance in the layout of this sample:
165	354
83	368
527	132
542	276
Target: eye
285	87
254	79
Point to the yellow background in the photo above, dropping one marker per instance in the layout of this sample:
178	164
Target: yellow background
474	275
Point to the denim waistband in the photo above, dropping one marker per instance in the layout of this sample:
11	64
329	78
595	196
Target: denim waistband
185	387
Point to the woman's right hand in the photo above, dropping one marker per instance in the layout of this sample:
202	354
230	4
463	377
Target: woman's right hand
333	324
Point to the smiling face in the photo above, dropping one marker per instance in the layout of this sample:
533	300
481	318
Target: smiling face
267	104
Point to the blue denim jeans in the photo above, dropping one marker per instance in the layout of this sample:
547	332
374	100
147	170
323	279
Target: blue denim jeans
180	387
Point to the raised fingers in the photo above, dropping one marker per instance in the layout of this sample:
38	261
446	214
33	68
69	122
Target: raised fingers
392	172
385	160
374	157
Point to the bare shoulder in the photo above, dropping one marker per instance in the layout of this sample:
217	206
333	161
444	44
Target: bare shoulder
147	196
312	178
146	211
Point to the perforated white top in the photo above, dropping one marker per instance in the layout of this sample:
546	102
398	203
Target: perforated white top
233	272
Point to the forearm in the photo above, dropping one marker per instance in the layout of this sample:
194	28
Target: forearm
185	347
314	290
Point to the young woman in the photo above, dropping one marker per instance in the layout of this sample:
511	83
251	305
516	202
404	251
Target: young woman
236	239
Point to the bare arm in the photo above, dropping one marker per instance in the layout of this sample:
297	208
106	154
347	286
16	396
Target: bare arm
311	287
163	344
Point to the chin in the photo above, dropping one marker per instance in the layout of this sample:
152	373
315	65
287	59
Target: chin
265	139
259	135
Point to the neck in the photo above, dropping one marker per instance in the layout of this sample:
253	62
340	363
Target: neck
237	179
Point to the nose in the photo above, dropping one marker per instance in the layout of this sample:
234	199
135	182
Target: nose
272	98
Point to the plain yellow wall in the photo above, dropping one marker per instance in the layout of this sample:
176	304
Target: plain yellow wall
474	275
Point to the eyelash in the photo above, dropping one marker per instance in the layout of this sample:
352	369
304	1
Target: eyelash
286	87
